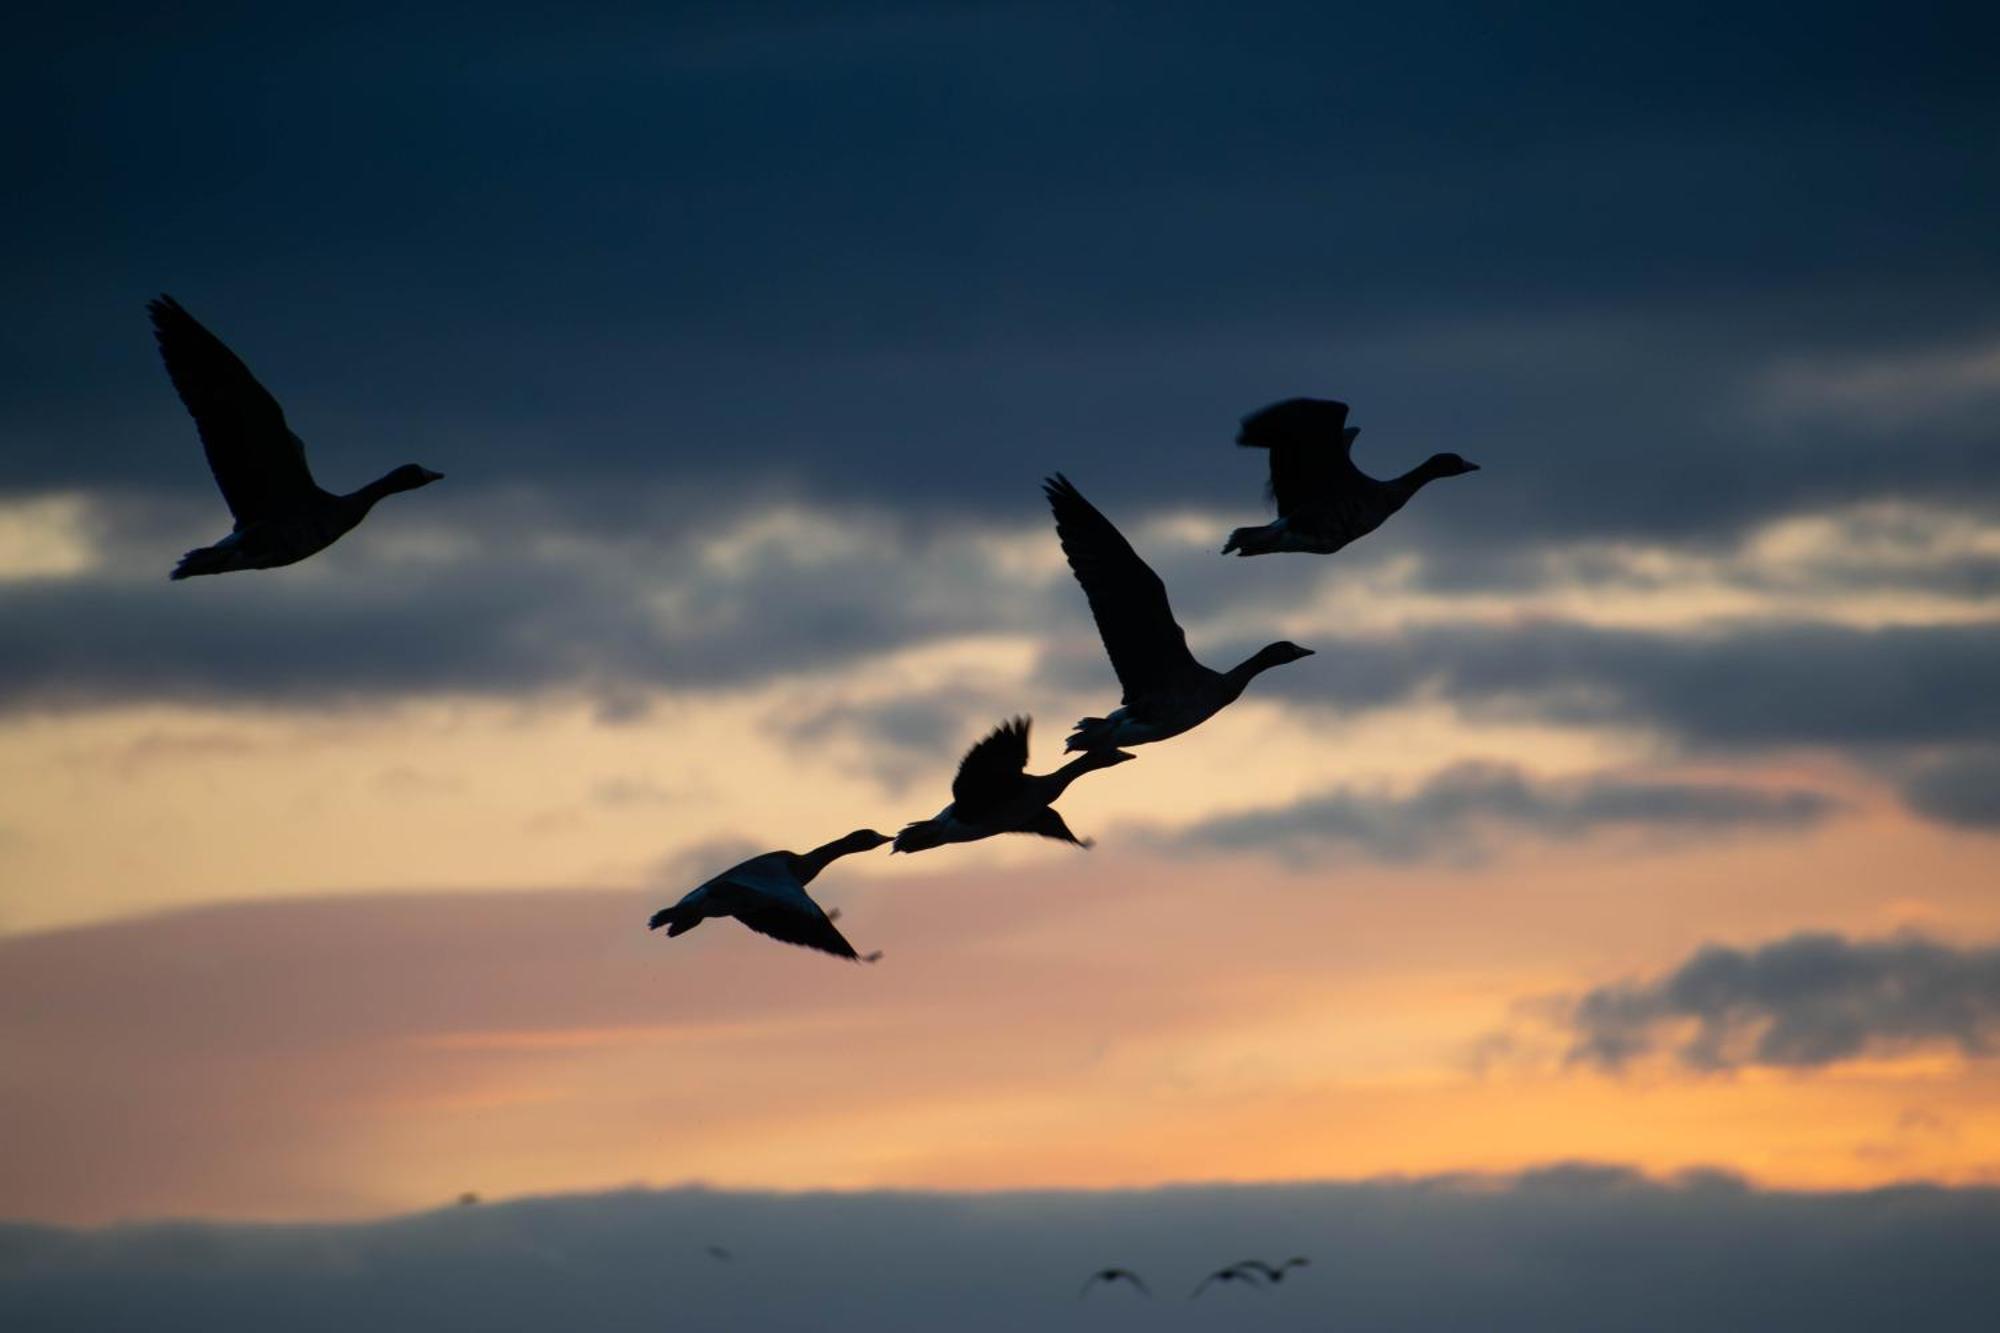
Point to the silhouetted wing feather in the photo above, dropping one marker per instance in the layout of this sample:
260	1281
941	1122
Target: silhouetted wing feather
990	773
257	461
804	925
1310	448
1148	648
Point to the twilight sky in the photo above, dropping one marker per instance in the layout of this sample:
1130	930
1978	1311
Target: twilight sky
1641	804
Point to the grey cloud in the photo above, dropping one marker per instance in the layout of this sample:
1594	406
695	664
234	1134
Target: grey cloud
558	608
1577	1247
1738	686
900	739
1455	813
1802	1002
1961	789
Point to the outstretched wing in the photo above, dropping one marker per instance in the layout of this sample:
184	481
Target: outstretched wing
795	919
812	931
1309	440
990	773
257	461
1148	649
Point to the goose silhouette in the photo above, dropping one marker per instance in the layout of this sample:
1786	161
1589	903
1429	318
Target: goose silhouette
994	793
282	515
1270	1273
768	894
1166	692
1324	501
1110	1275
1233	1273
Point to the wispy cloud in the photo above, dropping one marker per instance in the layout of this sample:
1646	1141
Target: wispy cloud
1460	813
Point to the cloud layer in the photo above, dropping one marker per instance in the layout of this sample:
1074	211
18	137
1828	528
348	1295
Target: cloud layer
1568	1248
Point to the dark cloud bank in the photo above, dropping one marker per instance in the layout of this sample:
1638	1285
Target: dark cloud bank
922	253
1569	1248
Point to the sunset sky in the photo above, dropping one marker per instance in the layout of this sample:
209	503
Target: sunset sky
1641	805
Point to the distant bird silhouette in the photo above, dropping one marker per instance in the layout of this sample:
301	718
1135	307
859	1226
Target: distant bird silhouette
1167	692
1273	1274
282	516
1109	1275
720	1255
768	894
1233	1273
994	793
1324	501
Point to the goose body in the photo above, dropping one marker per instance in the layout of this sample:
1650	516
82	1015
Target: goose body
282	515
1233	1273
1270	1272
1166	692
994	793
1110	1275
768	894
1324	501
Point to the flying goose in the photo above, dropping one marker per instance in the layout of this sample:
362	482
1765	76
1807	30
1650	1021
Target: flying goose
994	793
1273	1274
768	894
1324	501
1167	692
1233	1273
1110	1275
282	516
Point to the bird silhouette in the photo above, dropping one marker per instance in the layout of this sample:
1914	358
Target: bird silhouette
282	515
1166	692
1324	501
768	894
720	1255
1270	1273
994	793
1233	1273
1109	1275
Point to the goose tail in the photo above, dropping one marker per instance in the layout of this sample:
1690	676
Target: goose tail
1091	733
678	919
920	836
201	560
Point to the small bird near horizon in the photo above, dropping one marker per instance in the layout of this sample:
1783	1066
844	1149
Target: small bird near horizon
1324	501
1270	1273
767	893
1233	1273
994	793
1110	1275
282	515
1166	692
720	1255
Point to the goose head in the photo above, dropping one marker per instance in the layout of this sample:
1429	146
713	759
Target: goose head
864	840
1448	465
409	477
1277	654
